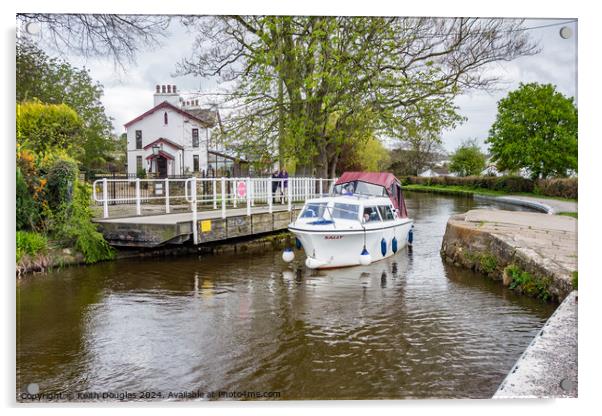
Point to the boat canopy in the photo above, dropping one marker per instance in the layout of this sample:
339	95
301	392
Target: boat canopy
387	180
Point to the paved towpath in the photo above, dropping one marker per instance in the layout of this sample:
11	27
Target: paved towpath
548	367
550	206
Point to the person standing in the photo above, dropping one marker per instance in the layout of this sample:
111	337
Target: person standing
280	185
275	184
284	184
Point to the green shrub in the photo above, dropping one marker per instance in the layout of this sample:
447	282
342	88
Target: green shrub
560	187
61	178
526	283
30	243
75	227
488	263
27	212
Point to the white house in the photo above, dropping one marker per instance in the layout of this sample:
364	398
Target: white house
172	138
436	171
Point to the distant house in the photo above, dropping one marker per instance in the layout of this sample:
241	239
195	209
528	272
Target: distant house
436	171
491	170
174	138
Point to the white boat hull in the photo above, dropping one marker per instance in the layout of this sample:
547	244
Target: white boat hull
328	248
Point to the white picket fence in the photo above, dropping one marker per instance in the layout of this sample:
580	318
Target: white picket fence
210	193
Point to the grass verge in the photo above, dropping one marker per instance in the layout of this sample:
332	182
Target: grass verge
463	190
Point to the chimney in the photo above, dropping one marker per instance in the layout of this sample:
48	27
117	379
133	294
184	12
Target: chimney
166	93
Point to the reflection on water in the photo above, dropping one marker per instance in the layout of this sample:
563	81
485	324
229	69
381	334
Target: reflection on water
407	326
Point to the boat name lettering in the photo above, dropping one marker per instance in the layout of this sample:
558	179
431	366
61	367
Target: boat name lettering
333	237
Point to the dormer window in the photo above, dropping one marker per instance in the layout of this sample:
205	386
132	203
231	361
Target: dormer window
165	118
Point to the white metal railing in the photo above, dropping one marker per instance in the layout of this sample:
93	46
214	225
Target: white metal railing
212	193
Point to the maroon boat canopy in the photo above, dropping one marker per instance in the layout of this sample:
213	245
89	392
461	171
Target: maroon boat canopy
384	179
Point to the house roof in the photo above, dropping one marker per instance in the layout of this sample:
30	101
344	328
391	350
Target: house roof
163	140
161	153
203	119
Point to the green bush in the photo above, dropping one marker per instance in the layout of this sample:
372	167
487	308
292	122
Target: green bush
27	212
61	177
560	187
30	243
74	227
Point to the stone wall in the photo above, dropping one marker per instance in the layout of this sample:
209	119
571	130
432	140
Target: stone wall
501	252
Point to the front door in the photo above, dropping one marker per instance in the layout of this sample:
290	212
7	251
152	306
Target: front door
162	167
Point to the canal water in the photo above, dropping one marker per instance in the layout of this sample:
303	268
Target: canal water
410	326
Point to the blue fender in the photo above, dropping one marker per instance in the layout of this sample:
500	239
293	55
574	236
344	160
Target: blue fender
394	245
383	246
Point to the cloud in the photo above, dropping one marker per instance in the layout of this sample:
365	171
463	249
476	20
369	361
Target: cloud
129	94
555	64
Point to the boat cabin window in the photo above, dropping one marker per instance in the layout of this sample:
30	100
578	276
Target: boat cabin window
345	211
314	210
371	214
364	188
386	213
345	189
360	188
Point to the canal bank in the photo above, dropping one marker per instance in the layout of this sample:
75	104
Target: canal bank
60	258
530	252
534	254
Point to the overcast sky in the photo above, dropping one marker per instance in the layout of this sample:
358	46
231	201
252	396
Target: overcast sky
129	94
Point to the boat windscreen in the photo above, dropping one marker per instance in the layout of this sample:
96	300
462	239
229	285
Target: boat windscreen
345	211
314	210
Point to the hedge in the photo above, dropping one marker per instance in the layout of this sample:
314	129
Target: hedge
561	187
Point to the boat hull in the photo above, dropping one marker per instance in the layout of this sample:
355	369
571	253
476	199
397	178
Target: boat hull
341	248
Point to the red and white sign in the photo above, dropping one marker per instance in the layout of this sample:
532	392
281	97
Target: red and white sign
241	189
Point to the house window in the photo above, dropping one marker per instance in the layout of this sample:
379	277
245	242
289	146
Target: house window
195	163
195	137
138	139
138	163
165	118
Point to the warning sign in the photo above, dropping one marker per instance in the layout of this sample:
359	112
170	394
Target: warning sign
206	226
241	189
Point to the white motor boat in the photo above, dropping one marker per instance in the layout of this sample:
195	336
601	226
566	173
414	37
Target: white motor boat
363	220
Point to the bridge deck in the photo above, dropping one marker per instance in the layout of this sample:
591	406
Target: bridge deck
187	216
156	230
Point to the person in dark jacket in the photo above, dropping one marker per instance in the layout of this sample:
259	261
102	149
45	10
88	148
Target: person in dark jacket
284	184
275	185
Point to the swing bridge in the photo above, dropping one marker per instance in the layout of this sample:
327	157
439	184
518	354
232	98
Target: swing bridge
154	212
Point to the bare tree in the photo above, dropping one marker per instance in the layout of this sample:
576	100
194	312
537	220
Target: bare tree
119	37
341	75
